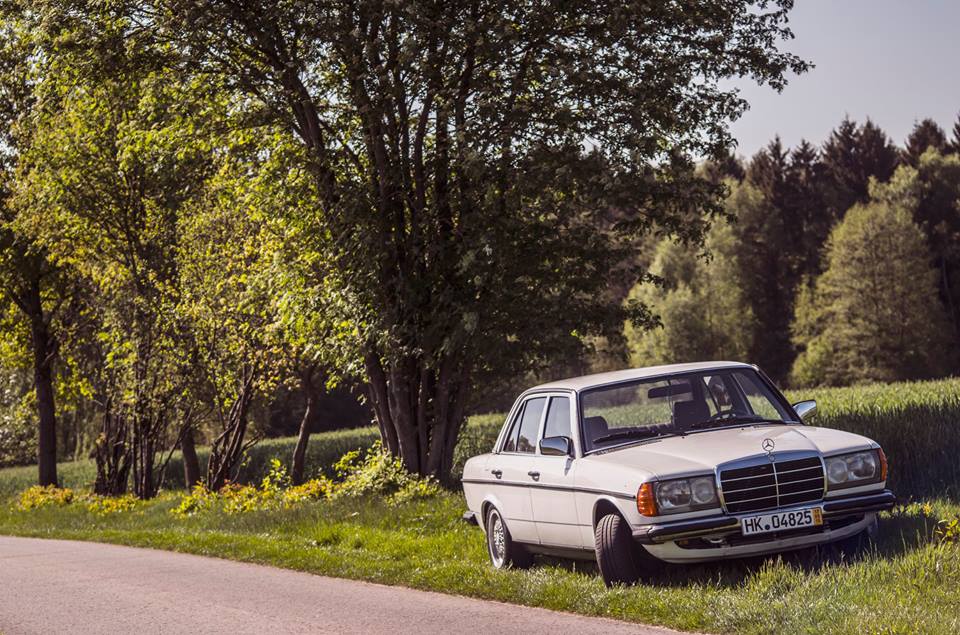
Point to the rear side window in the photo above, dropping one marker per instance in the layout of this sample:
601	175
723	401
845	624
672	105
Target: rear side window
510	441
558	418
530	425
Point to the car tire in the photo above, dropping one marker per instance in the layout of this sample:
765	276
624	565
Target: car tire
617	554
503	551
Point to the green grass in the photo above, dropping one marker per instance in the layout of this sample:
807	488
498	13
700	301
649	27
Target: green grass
908	585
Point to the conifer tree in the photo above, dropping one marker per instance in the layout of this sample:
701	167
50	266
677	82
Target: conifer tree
926	134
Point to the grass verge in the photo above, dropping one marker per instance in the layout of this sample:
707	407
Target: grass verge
908	584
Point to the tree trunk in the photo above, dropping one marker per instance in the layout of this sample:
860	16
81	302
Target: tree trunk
43	384
191	464
228	449
420	411
113	454
300	451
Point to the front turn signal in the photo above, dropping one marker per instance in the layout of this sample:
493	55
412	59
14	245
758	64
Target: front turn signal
883	464
646	501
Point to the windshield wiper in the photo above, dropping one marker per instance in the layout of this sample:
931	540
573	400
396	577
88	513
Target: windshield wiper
627	434
732	419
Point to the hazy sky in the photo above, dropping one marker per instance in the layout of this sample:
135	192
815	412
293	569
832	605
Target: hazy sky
893	61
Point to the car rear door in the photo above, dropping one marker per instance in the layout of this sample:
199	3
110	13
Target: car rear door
510	469
554	507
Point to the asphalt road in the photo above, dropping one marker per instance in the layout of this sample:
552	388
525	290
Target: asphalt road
58	586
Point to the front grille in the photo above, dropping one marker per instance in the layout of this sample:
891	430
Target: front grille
772	485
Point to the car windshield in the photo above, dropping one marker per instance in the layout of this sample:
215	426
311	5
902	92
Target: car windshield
676	404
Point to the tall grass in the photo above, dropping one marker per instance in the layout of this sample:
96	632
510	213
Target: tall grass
916	423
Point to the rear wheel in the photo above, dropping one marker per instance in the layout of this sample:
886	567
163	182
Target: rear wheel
620	559
504	552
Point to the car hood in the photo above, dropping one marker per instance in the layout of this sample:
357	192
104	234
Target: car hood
701	452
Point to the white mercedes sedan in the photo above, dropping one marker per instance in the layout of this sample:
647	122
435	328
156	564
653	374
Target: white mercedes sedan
679	463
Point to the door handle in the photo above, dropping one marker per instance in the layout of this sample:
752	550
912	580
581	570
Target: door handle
497	473
534	475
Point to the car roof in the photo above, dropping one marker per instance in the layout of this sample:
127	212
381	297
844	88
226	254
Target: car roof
600	379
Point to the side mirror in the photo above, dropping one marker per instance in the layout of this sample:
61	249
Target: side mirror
806	409
556	446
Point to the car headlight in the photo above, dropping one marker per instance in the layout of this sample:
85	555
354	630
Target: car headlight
682	495
856	468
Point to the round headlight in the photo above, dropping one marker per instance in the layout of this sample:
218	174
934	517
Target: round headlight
673	494
863	465
837	471
703	491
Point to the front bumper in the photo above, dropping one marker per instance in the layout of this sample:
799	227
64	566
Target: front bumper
724	524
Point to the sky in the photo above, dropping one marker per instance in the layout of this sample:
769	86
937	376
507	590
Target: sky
892	61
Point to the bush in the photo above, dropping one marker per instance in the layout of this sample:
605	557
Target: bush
37	497
372	472
376	472
274	492
44	496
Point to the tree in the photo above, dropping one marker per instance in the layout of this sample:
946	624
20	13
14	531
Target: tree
925	134
114	157
28	278
466	158
954	146
874	314
700	303
765	231
851	156
932	191
225	264
812	219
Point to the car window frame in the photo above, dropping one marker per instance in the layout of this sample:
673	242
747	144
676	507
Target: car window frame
517	411
515	421
540	422
764	379
570	415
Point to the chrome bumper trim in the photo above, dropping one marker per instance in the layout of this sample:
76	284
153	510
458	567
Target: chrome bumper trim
726	524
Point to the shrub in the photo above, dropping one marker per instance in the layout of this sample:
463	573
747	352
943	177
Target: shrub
948	530
372	472
274	492
44	496
37	497
376	472
106	505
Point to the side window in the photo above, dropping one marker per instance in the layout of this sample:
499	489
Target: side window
510	441
558	418
530	424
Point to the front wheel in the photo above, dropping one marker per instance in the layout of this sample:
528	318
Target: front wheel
620	559
504	552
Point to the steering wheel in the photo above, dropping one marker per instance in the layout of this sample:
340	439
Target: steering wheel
729	413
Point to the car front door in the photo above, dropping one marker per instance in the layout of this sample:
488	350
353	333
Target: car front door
511	466
554	508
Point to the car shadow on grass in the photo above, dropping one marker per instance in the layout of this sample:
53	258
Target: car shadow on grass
900	533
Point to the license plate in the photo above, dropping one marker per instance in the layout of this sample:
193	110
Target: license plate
781	521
